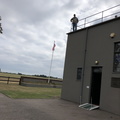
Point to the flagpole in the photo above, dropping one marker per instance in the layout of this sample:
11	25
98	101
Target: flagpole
51	62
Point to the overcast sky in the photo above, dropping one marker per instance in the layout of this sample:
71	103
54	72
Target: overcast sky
30	28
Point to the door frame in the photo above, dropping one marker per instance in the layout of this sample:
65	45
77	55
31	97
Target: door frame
91	82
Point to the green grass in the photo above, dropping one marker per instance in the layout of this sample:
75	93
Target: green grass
17	91
10	75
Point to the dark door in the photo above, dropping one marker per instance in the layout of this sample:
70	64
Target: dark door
96	85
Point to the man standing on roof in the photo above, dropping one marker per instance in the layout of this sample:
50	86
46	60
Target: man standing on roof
74	21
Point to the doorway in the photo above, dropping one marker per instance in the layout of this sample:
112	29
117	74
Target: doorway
95	85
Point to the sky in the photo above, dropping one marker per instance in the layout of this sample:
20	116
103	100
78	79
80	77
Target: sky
30	28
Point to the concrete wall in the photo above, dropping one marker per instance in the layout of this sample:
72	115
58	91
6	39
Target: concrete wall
87	46
74	59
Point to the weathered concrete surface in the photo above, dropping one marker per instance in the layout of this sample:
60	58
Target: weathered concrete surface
47	109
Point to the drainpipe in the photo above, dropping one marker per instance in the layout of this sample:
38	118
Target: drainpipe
84	62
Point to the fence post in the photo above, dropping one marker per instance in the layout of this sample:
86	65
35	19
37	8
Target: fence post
8	80
20	81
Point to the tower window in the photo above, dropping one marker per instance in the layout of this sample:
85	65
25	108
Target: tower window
116	57
79	73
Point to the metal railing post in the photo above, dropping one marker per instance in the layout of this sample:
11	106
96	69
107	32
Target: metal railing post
102	16
1	30
84	22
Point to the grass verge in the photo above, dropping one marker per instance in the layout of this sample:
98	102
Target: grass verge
17	91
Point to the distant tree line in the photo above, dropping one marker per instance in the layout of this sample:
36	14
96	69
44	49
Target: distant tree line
33	75
45	76
40	75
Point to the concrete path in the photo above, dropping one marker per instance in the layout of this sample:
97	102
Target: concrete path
48	109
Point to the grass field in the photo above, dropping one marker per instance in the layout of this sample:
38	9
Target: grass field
17	91
9	74
18	76
13	90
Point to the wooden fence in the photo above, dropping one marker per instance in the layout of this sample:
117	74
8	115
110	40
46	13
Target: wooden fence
9	79
40	82
31	81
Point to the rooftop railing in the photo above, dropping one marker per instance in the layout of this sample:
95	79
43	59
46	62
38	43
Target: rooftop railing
100	17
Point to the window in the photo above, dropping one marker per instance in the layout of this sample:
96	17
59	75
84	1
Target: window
116	57
79	73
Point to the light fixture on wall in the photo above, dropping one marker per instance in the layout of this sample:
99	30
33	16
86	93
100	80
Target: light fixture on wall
112	35
96	62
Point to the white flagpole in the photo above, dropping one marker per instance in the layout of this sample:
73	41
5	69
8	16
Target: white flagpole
51	62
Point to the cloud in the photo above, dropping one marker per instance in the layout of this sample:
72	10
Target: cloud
31	27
